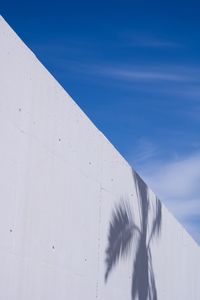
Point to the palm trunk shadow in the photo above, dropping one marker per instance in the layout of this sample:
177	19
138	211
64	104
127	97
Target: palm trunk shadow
140	273
123	233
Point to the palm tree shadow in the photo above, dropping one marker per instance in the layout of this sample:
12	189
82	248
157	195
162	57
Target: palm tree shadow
124	233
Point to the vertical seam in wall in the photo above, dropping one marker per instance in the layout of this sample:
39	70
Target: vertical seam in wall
99	223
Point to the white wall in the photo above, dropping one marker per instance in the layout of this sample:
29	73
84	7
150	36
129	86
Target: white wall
60	180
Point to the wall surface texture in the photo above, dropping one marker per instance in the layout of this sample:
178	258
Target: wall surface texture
76	222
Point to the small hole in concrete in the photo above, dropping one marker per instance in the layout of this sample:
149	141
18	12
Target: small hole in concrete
20	109
90	163
10	230
53	247
59	139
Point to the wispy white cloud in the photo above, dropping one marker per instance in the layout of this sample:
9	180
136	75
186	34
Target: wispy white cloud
141	74
187	209
177	183
62	52
135	73
176	179
146	150
147	41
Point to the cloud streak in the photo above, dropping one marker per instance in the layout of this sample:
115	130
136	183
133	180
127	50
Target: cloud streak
136	73
176	179
146	41
177	184
141	74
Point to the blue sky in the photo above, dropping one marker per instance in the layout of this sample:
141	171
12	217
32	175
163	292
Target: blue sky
134	68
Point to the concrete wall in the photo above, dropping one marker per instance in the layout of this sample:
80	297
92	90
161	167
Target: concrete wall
71	207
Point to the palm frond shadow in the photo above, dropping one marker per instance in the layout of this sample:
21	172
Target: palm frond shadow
124	233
